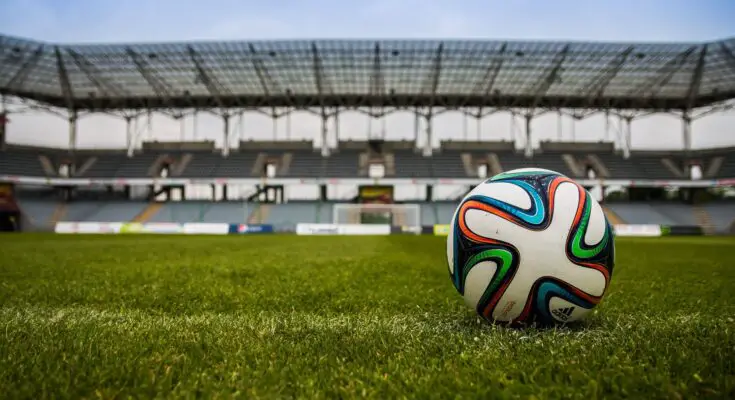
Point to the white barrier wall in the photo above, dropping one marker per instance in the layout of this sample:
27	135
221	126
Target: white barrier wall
200	228
88	227
133	227
637	230
343	229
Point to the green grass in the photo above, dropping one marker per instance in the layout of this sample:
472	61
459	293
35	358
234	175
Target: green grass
344	317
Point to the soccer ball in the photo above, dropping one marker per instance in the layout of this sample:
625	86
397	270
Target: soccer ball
530	246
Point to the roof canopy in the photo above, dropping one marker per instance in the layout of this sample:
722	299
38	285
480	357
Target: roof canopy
365	73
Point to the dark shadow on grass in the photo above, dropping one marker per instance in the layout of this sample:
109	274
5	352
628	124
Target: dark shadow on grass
576	326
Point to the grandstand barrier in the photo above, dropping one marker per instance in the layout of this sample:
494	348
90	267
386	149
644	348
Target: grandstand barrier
637	230
142	228
250	228
620	230
680	230
199	228
88	227
343	229
440	230
408	230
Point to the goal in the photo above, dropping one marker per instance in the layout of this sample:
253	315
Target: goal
371	213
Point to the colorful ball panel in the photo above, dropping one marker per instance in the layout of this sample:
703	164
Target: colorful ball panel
530	245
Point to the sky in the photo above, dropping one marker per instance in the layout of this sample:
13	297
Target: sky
83	21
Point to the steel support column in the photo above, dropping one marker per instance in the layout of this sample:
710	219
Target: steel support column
529	136
72	131
686	131
129	142
429	134
416	128
628	133
336	125
325	122
226	134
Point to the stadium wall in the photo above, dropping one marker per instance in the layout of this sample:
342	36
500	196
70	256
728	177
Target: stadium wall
198	228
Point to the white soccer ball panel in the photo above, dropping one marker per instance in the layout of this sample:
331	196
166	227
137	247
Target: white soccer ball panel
505	192
564	311
541	253
450	244
477	281
531	171
597	225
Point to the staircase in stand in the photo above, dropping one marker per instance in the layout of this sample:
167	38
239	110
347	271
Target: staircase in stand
148	212
58	214
260	214
704	220
612	217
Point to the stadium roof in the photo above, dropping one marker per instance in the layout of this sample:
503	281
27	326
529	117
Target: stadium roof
363	73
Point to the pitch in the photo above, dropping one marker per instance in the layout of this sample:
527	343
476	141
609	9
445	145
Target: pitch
315	317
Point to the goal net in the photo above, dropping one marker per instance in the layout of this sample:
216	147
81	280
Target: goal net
371	213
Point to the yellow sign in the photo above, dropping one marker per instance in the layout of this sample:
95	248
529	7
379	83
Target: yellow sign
441	230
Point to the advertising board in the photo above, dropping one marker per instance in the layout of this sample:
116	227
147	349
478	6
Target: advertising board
342	229
250	228
88	227
202	228
637	230
441	230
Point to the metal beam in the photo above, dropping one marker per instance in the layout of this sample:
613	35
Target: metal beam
266	81
600	82
20	76
729	56
549	77
485	86
210	82
436	70
109	89
664	75
158	84
318	71
377	81
696	78
66	90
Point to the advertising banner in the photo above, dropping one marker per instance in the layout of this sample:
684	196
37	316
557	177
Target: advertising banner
682	230
441	230
131	227
637	230
250	228
405	230
88	227
201	228
344	229
316	229
162	227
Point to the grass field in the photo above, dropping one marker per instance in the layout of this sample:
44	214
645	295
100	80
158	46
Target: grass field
343	317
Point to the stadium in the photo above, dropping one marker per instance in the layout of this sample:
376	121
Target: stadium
217	248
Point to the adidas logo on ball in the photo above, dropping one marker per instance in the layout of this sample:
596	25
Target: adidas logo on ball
563	313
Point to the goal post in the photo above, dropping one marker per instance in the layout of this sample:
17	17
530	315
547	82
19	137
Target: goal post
372	213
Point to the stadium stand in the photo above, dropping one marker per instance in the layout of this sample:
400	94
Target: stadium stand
311	75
